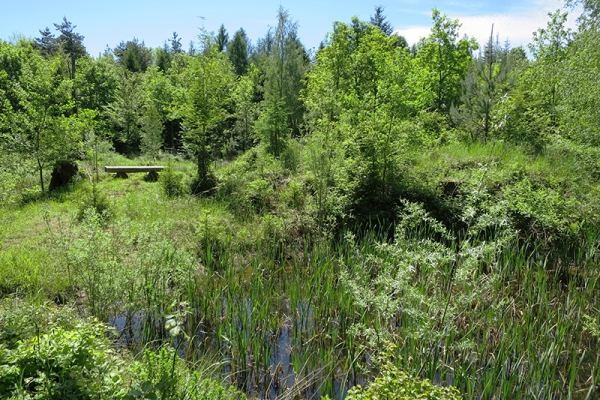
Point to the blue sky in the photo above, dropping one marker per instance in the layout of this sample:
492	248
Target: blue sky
109	22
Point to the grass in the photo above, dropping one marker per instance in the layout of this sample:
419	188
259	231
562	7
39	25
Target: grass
247	278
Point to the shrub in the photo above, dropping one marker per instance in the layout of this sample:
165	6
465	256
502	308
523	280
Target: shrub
49	353
164	375
394	384
171	182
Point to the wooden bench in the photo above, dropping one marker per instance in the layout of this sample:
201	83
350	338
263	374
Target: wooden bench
122	171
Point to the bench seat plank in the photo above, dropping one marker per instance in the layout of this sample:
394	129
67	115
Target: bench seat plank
145	168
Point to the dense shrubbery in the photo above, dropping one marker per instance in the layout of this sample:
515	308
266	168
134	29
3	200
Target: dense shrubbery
51	353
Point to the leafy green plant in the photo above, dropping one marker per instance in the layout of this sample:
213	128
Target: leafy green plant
164	376
171	182
395	384
49	353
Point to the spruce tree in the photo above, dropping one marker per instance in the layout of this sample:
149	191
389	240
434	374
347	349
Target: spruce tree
380	21
175	41
222	38
237	51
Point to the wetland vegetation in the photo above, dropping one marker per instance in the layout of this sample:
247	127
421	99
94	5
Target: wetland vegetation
370	219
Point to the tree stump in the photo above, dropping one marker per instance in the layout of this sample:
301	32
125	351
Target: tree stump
62	174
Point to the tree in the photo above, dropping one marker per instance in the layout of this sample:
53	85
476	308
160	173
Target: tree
444	61
133	55
486	83
579	88
591	12
96	83
549	49
284	70
245	110
151	131
176	43
71	43
237	50
192	48
46	43
126	111
222	38
34	107
202	99
400	41
159	96
358	94
379	20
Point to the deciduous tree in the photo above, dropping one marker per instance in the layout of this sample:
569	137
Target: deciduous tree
34	105
444	61
284	70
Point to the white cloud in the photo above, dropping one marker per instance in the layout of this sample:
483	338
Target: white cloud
517	26
413	33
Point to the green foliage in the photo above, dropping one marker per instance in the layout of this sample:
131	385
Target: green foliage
35	102
93	200
246	110
578	90
133	55
96	83
476	258
71	43
202	106
358	96
50	353
272	127
151	134
284	69
443	61
394	384
486	84
125	112
171	182
164	376
47	353
237	51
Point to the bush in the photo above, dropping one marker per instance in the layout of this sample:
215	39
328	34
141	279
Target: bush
171	182
49	353
93	199
164	375
394	384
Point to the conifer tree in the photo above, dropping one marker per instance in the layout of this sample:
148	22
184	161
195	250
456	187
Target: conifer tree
133	55
380	21
222	38
71	42
46	43
175	42
483	87
237	51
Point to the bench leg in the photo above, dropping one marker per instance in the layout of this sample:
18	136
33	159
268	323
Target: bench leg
151	176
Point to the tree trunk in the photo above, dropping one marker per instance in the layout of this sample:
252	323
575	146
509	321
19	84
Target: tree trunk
41	170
